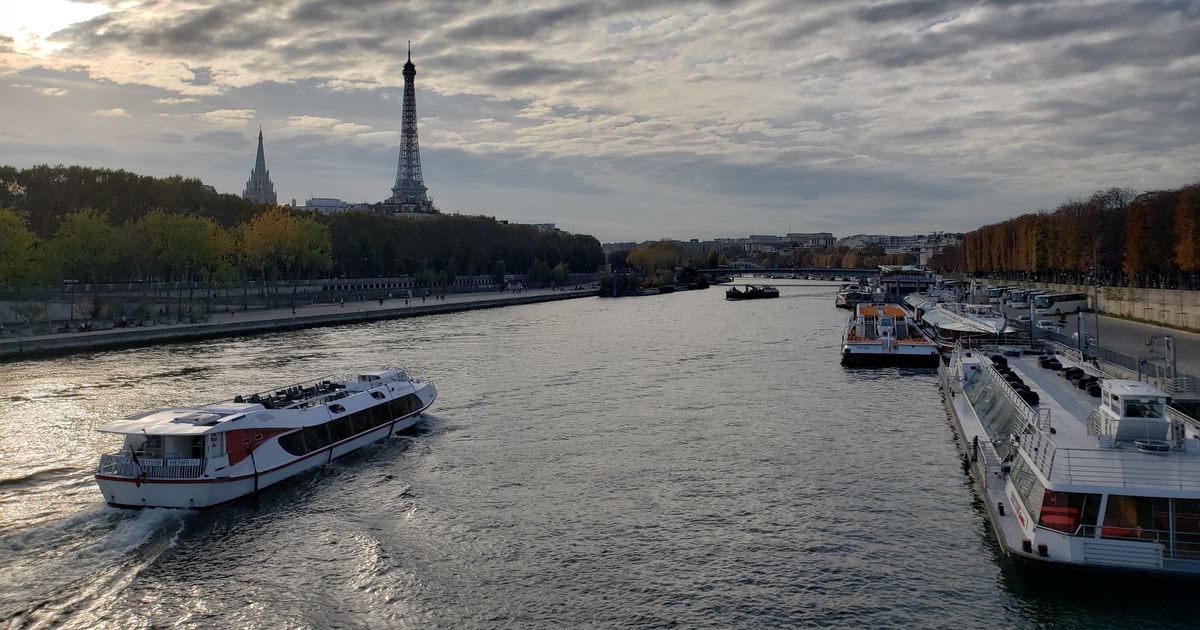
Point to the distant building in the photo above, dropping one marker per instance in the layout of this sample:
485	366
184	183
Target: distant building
329	205
937	243
814	240
259	188
890	244
763	243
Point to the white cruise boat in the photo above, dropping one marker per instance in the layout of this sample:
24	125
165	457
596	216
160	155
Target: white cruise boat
200	456
1104	478
851	295
886	335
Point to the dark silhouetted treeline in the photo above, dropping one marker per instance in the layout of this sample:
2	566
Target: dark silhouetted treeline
360	244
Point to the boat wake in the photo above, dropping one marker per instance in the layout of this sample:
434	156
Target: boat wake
60	573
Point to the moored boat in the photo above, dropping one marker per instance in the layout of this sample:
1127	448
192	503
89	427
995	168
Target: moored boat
751	292
1078	470
851	295
204	455
886	335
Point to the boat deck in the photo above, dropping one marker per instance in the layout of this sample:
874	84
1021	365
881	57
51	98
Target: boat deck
876	310
1068	454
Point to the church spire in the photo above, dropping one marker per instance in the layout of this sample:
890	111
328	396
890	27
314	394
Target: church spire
260	163
259	188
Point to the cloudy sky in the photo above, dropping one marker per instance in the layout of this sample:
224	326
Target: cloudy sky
625	119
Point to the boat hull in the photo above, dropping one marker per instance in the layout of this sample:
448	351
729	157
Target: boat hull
879	359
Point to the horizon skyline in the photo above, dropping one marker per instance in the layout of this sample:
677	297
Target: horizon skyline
622	121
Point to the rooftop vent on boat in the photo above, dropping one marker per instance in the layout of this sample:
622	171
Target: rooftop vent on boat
197	419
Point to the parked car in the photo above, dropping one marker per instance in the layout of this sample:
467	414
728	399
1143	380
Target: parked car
1047	324
1024	320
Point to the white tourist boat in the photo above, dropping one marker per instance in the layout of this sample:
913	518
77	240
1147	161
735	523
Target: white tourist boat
966	318
1105	478
950	323
851	295
886	335
200	456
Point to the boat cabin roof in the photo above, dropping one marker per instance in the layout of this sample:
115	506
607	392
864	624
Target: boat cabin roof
181	420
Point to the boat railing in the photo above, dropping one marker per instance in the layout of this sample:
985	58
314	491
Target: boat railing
1041	450
124	465
1067	351
1028	415
1095	467
293	394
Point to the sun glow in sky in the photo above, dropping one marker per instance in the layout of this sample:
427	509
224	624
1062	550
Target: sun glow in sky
31	22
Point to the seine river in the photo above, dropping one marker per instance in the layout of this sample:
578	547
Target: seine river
671	460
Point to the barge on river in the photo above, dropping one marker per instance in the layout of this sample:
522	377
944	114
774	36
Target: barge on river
1078	470
200	456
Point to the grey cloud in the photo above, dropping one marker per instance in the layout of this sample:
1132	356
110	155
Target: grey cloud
1030	24
201	76
523	24
907	9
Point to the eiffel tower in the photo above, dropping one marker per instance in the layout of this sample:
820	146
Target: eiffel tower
409	194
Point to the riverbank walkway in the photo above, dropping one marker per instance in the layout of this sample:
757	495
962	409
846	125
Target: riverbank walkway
257	321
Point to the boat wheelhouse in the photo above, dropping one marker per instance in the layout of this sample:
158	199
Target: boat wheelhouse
1079	470
886	335
204	455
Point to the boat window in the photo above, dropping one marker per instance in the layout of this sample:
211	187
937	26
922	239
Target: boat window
362	421
1028	485
1187	529
1069	512
1143	408
337	409
380	415
152	447
293	443
378	395
341	429
316	437
1146	518
402	406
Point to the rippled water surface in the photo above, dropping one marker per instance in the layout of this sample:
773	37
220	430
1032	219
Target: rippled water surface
665	460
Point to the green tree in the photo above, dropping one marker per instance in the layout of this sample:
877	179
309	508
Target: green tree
85	246
19	251
275	241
